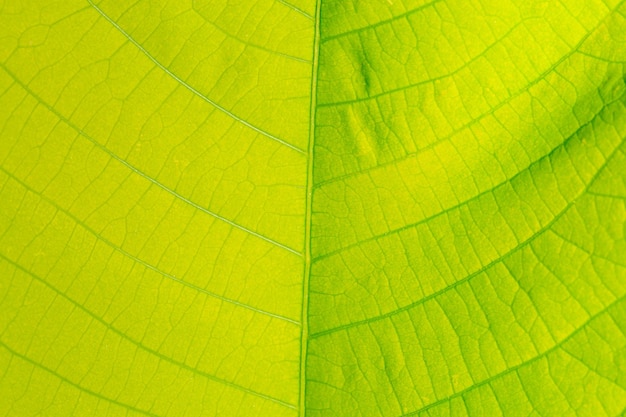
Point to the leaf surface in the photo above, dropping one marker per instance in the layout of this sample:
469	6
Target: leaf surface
282	208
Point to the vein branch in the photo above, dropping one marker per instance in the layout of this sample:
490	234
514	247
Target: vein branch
499	259
189	87
141	345
143	174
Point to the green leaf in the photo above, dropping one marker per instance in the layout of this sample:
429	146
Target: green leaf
282	208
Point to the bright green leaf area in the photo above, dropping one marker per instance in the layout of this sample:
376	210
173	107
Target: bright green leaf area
282	208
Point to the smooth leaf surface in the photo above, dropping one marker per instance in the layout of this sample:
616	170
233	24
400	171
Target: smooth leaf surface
283	208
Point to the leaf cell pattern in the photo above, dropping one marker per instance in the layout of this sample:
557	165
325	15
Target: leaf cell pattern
333	208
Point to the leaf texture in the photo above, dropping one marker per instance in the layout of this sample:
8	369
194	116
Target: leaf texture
288	208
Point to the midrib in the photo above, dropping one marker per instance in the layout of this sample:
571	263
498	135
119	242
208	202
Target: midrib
304	335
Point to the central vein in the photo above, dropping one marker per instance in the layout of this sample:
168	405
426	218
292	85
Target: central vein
304	336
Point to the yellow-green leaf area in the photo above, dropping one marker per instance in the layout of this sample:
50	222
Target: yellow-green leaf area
318	208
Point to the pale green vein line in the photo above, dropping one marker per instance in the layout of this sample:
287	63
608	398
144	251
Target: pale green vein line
291	6
254	45
142	262
521	365
452	73
497	260
594	371
472	122
304	335
605	195
586	251
602	59
474	198
141	345
141	173
189	87
73	384
382	22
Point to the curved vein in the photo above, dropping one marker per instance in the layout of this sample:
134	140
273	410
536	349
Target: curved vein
526	88
382	22
73	384
250	44
192	89
474	198
142	262
497	260
521	365
292	7
141	173
427	81
141	345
